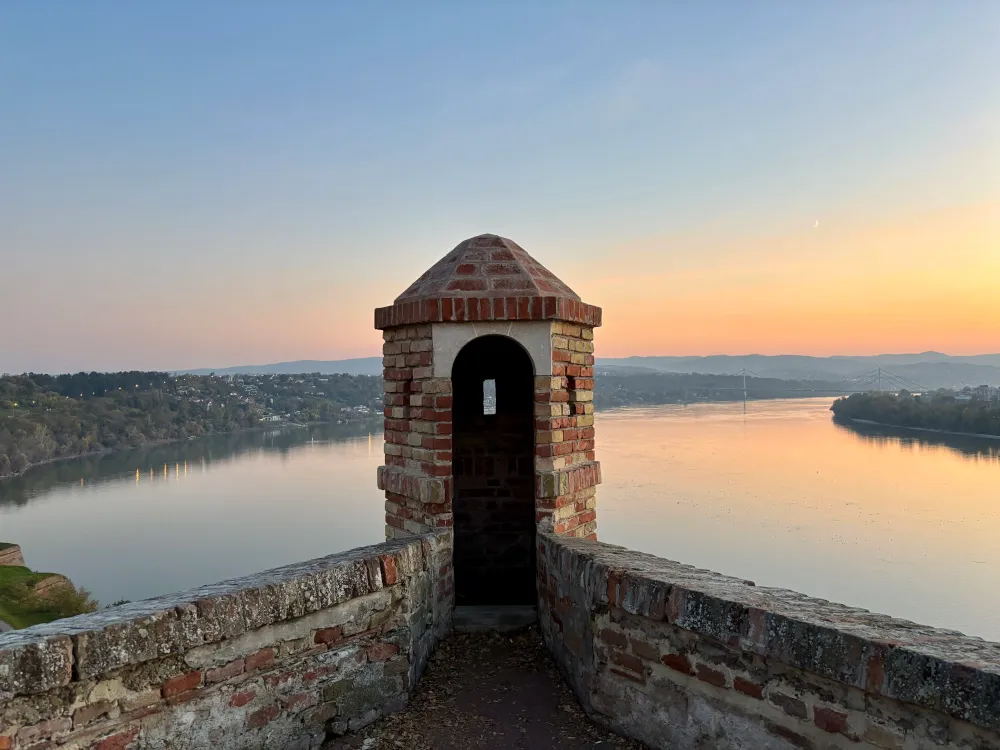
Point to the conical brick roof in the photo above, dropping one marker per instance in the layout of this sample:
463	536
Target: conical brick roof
487	278
487	266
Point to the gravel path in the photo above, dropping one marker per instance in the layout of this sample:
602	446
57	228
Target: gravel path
488	691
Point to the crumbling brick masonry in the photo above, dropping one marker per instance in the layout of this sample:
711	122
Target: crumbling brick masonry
282	659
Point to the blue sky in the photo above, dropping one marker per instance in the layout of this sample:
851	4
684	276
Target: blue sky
187	184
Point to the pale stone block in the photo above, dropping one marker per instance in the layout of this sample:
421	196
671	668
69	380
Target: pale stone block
413	527
419	425
548	410
566	511
549	383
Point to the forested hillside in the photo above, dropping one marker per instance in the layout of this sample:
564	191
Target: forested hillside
44	417
653	388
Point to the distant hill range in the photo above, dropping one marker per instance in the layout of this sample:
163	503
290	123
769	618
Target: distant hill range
929	369
359	366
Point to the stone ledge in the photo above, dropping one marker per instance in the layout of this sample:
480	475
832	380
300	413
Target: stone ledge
51	655
425	489
943	670
549	484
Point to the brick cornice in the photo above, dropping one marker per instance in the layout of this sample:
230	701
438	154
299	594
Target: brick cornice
475	309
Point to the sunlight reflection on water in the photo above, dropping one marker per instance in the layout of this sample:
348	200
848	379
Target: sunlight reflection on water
900	523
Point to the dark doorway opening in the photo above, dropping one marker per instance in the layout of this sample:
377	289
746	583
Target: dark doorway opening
494	469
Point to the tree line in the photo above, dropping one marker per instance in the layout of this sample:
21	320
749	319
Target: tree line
44	417
934	411
615	389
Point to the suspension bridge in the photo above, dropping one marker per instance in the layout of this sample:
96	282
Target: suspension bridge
879	380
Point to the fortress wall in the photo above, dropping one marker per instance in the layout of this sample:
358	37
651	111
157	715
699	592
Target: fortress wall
683	658
10	554
281	659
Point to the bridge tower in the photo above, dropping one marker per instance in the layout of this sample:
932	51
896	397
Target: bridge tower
489	416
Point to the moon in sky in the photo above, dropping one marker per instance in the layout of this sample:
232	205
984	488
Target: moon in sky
816	224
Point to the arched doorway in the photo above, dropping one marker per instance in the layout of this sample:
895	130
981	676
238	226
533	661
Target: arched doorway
493	464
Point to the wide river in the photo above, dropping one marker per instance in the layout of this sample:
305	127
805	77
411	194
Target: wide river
905	524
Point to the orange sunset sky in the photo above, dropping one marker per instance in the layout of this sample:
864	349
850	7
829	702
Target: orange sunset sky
730	178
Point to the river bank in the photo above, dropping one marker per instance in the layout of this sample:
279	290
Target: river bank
157	443
923	429
941	413
89	454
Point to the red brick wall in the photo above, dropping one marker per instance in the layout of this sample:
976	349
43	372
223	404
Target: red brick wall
419	478
567	473
418	435
418	475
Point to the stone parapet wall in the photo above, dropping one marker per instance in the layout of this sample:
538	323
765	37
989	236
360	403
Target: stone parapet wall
683	658
282	659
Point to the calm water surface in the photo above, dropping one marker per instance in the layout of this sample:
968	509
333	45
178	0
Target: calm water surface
903	524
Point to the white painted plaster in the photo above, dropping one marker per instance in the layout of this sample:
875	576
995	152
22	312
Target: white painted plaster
534	335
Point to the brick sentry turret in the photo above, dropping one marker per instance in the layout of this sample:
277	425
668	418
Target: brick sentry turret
487	285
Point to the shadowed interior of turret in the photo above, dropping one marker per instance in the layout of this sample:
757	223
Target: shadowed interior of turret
494	474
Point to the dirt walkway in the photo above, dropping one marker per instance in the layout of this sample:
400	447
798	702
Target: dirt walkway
488	691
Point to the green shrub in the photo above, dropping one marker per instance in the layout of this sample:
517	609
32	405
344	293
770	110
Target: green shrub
21	606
